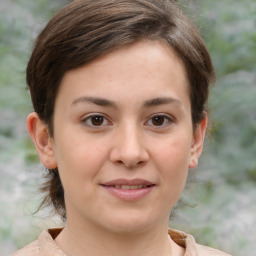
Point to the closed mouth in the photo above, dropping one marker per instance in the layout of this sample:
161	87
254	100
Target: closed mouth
129	187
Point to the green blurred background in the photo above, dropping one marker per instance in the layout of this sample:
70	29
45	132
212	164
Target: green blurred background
219	204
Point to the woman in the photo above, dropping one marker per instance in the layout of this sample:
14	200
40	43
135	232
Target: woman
119	90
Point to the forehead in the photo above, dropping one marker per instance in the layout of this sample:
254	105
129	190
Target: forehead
140	68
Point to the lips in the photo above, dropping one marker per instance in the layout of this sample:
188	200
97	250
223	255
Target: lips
129	190
133	182
130	187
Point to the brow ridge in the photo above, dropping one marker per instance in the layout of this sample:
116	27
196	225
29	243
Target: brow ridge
160	101
108	103
97	101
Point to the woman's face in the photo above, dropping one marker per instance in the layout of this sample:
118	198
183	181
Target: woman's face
123	138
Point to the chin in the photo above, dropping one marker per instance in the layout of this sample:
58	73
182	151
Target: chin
130	224
129	228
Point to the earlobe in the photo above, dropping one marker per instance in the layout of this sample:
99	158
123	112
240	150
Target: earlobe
197	144
43	142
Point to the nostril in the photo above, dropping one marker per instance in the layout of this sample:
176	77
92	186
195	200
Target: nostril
130	164
128	156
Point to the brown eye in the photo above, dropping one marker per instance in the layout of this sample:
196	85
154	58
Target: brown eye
158	120
95	121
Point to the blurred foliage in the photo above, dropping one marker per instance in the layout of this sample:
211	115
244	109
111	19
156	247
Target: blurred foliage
224	186
20	22
219	205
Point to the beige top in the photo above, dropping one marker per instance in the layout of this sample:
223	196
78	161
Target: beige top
46	246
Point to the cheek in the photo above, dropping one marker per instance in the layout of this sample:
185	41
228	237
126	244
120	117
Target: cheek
172	160
78	168
80	150
79	161
173	152
80	164
174	168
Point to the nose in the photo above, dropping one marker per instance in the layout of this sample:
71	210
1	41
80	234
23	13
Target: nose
129	148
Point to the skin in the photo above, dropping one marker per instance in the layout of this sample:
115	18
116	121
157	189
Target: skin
137	83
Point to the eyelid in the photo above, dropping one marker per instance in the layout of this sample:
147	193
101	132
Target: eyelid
91	115
87	118
168	117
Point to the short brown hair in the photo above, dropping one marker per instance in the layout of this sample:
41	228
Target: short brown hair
87	29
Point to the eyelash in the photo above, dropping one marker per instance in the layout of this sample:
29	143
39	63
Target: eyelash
88	120
166	118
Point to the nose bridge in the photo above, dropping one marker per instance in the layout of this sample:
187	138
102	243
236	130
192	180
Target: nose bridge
133	139
129	147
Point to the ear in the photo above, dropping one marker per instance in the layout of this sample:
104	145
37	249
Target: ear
197	143
43	142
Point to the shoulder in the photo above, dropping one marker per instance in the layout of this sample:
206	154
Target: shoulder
207	251
31	249
191	247
44	245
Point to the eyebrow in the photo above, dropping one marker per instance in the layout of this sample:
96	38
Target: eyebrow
161	101
108	103
97	101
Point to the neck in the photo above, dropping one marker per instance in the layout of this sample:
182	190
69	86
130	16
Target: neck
75	240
